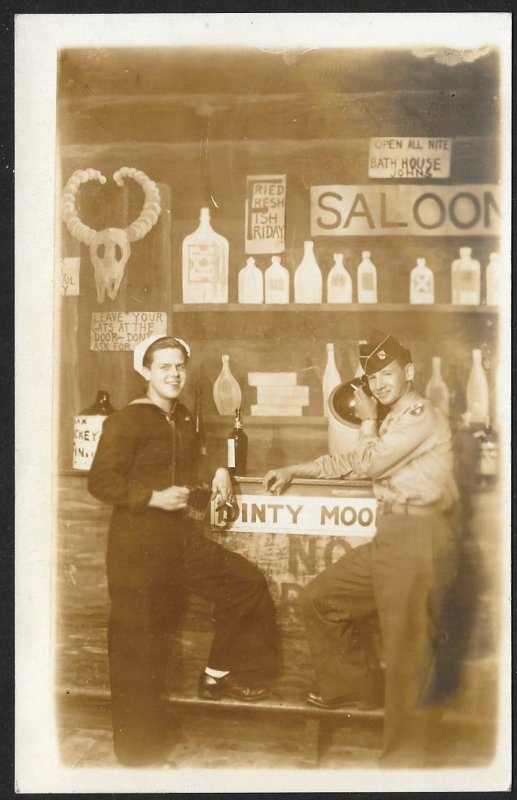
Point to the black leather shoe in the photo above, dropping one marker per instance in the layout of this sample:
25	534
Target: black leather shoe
210	688
316	699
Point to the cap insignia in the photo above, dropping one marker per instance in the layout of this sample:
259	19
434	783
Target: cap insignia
381	354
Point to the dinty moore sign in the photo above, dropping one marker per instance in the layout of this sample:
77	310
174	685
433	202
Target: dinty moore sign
405	210
343	516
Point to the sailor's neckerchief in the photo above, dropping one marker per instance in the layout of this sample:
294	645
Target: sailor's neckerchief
177	444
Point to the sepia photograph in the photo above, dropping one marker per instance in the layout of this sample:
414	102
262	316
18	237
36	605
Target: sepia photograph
263	299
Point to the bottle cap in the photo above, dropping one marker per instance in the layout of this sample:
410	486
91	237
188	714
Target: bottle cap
465	251
366	254
420	262
275	260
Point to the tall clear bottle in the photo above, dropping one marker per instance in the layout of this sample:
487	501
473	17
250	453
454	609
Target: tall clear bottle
277	282
366	279
251	283
457	399
436	390
205	256
493	272
477	390
359	372
339	282
421	284
466	279
227	392
308	282
331	378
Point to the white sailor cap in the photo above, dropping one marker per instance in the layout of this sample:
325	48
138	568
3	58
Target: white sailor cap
142	348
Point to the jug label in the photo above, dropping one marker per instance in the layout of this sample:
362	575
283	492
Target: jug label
367	282
231	453
203	263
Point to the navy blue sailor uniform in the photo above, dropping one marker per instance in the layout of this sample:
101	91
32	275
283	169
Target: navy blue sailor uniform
154	558
403	573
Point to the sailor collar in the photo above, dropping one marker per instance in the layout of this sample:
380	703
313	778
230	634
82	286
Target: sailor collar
146	401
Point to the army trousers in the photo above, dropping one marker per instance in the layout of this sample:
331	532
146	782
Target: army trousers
403	574
149	579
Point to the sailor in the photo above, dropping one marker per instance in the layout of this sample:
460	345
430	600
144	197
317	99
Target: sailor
157	554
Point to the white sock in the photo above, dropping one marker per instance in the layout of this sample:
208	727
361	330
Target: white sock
216	673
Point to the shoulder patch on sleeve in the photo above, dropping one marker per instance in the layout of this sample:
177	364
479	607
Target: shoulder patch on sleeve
417	409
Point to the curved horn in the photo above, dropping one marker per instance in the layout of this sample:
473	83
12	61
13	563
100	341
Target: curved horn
152	203
68	208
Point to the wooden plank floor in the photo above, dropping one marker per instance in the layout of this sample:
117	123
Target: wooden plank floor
208	738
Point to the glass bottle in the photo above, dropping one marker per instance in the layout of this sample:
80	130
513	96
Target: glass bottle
477	390
339	282
359	370
487	466
457	400
237	444
277	282
466	279
421	284
308	282
205	264
88	428
366	280
227	392
251	283
331	378
436	390
492	279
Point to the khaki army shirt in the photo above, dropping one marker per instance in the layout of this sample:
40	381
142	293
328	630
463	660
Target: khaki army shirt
409	458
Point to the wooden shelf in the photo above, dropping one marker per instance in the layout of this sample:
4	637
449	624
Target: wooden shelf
323	321
262	308
220	421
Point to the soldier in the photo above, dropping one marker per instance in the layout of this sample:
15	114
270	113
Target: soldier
404	572
143	466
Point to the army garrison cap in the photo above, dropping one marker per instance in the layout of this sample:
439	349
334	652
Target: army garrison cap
379	351
142	348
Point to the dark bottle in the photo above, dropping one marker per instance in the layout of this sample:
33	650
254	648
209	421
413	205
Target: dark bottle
200	430
237	447
102	405
487	465
87	430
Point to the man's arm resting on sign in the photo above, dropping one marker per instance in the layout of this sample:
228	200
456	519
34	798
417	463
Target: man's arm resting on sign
326	467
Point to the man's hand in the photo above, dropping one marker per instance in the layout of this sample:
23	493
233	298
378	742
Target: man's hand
365	406
276	480
222	489
174	498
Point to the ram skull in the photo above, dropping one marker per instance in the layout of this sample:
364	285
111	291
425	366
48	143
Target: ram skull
110	248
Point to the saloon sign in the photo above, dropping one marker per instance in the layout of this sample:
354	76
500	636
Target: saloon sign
344	516
405	210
